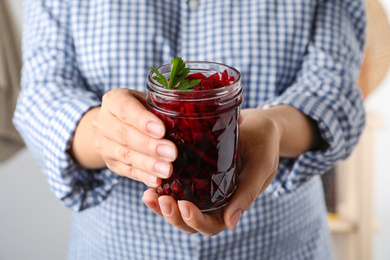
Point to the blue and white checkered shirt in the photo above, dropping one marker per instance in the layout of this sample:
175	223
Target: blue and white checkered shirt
304	53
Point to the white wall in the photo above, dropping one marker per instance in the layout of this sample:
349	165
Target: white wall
34	225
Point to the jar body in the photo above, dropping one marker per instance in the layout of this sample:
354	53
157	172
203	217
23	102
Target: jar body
204	127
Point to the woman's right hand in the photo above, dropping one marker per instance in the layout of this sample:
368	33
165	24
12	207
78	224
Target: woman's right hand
126	137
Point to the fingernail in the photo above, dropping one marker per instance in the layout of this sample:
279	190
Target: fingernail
185	212
166	209
162	168
152	179
235	218
155	129
166	151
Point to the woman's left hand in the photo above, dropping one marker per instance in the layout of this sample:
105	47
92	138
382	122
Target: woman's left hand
257	164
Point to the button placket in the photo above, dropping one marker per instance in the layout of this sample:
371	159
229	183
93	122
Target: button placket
193	4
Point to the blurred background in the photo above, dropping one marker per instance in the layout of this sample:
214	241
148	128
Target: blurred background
34	225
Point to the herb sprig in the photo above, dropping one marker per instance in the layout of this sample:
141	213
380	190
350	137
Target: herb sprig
179	73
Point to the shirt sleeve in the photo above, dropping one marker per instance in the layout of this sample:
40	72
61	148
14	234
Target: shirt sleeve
53	99
325	89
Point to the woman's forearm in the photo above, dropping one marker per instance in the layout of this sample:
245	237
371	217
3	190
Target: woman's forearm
297	132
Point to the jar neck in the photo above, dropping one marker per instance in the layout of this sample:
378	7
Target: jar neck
193	103
216	100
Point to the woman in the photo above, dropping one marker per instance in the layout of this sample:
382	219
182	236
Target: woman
83	116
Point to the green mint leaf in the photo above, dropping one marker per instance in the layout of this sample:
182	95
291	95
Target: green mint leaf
178	72
160	78
187	85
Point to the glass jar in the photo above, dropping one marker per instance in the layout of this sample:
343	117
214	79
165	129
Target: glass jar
204	127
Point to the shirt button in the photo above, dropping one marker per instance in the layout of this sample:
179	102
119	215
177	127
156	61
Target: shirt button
193	4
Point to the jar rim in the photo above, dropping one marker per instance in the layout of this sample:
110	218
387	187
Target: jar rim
159	88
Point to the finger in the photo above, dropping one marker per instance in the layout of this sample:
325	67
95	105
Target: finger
133	173
127	108
108	149
171	213
259	157
150	198
209	224
251	183
133	139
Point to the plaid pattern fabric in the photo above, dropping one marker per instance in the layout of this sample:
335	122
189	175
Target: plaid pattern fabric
303	53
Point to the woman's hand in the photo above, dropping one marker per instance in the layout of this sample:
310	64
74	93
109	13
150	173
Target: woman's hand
125	137
258	162
265	135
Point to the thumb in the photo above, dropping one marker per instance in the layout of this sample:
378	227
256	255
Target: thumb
251	183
